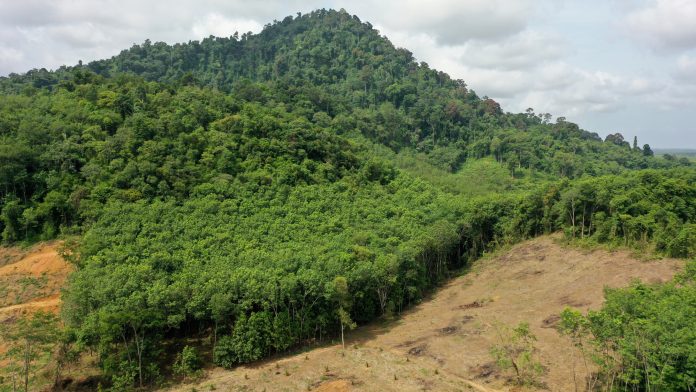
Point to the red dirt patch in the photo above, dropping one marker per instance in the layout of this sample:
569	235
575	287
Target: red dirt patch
42	259
30	280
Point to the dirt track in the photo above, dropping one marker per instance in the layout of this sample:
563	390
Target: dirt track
444	343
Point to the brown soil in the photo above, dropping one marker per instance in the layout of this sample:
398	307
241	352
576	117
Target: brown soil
47	304
443	344
31	274
40	259
30	280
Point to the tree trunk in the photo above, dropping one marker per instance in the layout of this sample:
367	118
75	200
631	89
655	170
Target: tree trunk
139	348
125	344
517	369
215	339
60	363
26	366
343	342
382	295
572	215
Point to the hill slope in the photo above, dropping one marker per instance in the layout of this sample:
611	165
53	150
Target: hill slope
30	281
31	278
266	191
453	331
336	71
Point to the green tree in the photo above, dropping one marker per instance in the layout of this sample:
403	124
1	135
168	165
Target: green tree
647	151
30	339
187	362
344	302
642	338
515	350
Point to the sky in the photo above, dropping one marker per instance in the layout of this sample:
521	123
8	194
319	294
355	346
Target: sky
610	66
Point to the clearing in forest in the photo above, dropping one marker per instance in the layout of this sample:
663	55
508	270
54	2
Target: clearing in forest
30	280
443	344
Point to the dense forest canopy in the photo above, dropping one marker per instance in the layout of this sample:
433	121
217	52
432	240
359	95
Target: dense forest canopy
131	125
223	187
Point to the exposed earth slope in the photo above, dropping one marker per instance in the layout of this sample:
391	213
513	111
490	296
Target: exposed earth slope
31	279
444	343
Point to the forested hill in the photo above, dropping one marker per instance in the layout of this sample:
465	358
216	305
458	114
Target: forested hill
248	189
339	73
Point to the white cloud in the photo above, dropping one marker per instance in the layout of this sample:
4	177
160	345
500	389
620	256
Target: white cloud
221	26
565	90
451	22
665	24
686	69
77	35
524	50
10	57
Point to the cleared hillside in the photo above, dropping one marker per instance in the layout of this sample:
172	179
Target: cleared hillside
444	343
262	192
31	279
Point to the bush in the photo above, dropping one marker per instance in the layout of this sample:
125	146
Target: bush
515	351
187	363
684	244
224	353
643	337
251	339
123	380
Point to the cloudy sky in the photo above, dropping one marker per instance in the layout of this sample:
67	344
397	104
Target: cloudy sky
610	65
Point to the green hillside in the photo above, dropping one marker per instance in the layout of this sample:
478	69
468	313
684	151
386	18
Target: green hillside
268	190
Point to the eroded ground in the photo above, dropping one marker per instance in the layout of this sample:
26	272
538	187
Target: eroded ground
444	343
30	280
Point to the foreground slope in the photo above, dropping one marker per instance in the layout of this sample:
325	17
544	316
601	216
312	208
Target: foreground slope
444	343
242	189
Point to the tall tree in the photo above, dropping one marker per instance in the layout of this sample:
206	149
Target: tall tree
29	339
344	302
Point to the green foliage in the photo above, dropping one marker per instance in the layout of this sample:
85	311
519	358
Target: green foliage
123	379
577	327
515	351
636	209
684	244
344	301
158	120
643	337
187	363
225	184
29	342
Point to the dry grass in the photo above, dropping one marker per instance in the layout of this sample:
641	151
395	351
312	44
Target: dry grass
30	280
440	345
443	344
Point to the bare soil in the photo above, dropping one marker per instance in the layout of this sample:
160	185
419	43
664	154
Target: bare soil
30	280
443	344
30	276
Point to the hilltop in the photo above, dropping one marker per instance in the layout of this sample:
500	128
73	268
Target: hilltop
263	192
